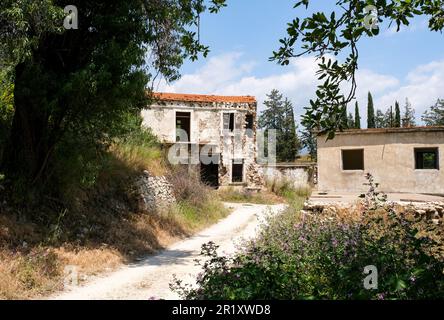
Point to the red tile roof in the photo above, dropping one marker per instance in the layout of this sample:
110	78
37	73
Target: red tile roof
202	98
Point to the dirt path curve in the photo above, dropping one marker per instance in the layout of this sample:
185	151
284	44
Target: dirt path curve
152	276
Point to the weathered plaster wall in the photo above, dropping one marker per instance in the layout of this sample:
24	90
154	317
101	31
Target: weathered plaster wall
388	156
207	128
301	176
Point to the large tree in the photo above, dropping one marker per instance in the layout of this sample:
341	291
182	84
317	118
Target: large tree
75	87
370	112
290	140
279	116
389	119
408	118
337	33
380	119
434	116
308	140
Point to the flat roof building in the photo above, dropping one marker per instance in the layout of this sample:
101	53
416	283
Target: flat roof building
401	160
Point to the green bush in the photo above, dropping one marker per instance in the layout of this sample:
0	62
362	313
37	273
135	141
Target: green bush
318	256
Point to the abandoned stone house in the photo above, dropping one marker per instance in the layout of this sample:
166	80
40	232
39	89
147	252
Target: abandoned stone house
215	136
401	160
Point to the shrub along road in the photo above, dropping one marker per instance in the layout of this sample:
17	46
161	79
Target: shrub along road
151	277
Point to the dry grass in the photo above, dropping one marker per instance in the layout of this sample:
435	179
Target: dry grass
285	189
31	267
139	157
240	196
101	229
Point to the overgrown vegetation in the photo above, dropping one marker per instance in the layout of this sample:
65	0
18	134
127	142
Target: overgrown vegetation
74	90
243	196
276	191
317	256
98	227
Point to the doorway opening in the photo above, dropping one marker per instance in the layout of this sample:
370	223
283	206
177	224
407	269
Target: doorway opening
209	173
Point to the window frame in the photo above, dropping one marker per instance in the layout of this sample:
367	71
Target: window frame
176	112
231	114
353	170
417	150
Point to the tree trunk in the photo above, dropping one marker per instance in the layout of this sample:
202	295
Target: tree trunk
27	147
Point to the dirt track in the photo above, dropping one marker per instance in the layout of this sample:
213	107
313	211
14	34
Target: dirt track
151	277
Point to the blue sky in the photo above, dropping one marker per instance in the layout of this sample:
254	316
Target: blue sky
243	35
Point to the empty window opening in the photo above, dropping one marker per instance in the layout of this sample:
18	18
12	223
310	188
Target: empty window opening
237	171
183	124
209	173
249	119
229	121
426	158
353	159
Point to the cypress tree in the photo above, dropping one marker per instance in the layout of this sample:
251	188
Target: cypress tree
357	117
344	119
370	112
397	115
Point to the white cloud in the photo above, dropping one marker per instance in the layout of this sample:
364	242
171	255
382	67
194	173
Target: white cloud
231	74
228	74
422	86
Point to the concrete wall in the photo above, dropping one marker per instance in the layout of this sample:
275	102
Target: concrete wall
207	129
388	156
300	176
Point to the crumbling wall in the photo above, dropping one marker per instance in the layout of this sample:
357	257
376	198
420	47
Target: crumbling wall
153	193
207	128
433	211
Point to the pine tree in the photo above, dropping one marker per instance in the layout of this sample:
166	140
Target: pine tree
397	115
351	121
370	112
357	117
434	116
308	140
408	119
389	118
289	140
279	116
379	119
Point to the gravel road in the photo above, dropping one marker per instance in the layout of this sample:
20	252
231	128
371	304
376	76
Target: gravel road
151	277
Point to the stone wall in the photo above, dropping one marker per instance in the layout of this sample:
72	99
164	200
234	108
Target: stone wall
153	193
433	211
300	175
206	129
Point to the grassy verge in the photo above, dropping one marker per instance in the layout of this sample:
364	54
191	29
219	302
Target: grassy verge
276	191
97	229
263	197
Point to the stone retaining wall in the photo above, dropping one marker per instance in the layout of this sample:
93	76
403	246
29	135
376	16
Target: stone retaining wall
433	211
153	193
